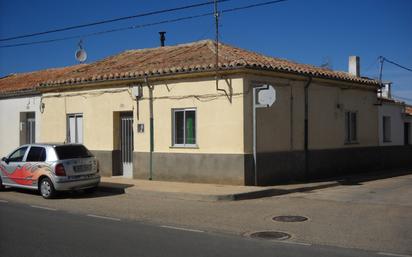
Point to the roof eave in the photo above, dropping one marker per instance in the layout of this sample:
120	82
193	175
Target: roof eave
206	72
19	93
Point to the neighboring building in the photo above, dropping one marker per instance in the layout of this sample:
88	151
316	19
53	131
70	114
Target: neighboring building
323	122
20	108
391	122
19	120
394	120
407	125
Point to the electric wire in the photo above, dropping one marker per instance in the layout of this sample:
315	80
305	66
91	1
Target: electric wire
139	26
112	20
384	59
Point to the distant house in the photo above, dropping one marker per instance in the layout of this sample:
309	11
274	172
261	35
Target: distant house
394	120
407	125
322	122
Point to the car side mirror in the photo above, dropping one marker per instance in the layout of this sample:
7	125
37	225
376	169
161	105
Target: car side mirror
5	160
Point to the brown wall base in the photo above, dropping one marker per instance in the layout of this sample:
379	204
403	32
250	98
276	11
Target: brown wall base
109	162
201	168
280	167
274	168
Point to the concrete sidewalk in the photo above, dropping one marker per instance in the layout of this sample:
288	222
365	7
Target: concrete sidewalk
203	192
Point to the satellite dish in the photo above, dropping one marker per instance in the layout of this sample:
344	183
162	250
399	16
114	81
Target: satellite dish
80	54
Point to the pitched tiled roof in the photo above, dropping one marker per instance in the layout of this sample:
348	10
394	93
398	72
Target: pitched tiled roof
28	81
185	58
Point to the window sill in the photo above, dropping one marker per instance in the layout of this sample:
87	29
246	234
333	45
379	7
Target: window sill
352	143
184	147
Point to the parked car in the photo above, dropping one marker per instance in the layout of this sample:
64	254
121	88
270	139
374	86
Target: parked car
49	168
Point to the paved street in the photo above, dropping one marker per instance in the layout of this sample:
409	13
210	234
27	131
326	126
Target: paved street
369	214
35	231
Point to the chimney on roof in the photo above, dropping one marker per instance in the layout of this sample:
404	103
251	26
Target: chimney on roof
387	90
354	65
162	38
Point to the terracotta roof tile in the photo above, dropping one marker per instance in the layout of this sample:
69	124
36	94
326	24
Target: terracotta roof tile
193	57
29	80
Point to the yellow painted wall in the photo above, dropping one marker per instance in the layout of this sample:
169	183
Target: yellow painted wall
97	108
327	116
219	122
281	126
223	126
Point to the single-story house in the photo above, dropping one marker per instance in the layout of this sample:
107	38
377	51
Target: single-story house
171	113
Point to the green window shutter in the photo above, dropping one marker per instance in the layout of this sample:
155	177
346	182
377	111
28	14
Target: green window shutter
190	130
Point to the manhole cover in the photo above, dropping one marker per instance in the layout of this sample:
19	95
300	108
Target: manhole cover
290	218
270	235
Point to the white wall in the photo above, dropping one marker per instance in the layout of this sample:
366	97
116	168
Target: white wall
10	109
409	119
395	112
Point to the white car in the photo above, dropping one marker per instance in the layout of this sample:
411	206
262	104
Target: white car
49	168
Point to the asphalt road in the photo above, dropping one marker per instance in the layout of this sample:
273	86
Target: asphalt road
27	230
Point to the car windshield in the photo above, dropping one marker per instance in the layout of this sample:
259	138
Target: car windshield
65	152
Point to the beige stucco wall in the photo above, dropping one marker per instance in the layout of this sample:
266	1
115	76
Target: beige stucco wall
223	126
327	108
97	108
219	121
281	126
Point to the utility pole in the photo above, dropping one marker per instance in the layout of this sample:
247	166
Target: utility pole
217	44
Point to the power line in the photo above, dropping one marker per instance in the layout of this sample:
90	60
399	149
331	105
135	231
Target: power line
384	59
112	20
252	6
139	26
107	31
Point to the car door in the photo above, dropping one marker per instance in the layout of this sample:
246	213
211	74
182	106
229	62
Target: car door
13	168
35	165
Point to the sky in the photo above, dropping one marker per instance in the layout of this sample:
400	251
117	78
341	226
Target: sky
305	31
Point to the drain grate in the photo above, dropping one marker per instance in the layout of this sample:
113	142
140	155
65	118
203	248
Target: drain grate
289	218
270	235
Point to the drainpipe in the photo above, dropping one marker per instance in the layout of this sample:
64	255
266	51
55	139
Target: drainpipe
306	127
150	87
255	106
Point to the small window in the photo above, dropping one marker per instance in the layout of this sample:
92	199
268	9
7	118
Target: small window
36	154
75	128
351	133
184	127
386	128
18	155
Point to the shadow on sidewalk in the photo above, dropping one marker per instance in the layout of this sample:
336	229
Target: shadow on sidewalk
360	178
312	185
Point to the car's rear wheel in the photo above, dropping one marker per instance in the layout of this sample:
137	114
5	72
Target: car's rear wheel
46	188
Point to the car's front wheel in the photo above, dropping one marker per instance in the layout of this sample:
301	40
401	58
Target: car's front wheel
46	188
